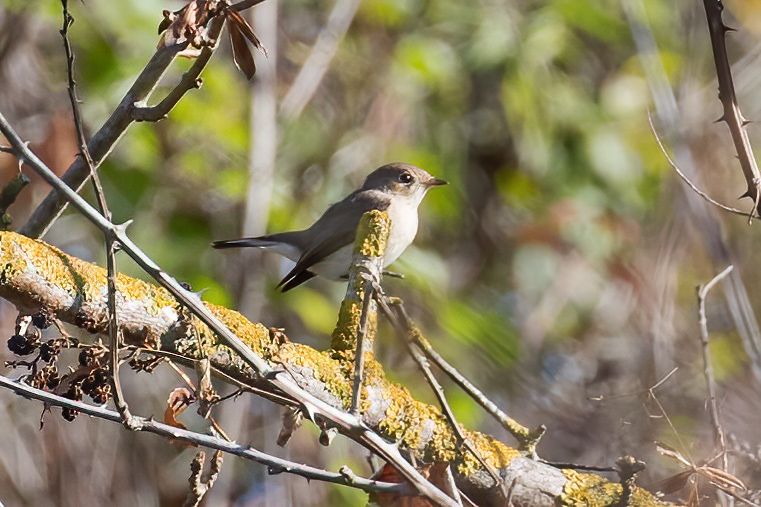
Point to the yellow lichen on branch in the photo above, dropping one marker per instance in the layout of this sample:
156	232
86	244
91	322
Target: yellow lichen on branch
34	276
369	247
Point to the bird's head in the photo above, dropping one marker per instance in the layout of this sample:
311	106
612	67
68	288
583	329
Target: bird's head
403	180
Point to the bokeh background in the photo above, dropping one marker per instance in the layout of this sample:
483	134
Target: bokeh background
557	271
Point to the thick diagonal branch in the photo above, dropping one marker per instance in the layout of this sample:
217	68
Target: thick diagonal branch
34	275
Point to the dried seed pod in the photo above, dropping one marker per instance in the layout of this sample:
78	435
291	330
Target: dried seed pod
49	350
69	413
43	319
21	345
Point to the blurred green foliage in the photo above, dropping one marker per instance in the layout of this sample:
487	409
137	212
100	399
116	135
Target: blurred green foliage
536	112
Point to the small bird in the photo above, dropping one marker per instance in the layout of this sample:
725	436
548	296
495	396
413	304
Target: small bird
325	248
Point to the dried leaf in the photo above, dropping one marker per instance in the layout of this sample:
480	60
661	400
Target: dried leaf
720	478
390	474
179	399
187	24
235	18
292	418
242	56
166	22
674	483
670	452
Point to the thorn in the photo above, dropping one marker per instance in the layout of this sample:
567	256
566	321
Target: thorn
728	28
719	120
745	123
122	228
275	470
309	414
746	194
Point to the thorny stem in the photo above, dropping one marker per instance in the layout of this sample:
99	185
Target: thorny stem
732	115
527	439
113	325
277	465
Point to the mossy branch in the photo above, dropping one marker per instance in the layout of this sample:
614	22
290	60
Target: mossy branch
35	276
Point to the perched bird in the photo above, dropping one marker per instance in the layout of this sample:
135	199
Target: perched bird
325	248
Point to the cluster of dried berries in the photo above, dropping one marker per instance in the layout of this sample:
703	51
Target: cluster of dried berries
25	344
97	386
46	378
90	377
27	339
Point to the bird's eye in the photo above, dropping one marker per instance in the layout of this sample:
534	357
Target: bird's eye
405	177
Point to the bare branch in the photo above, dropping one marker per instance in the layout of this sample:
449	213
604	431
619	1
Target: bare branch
359	355
719	434
84	152
528	439
732	115
690	184
277	465
102	143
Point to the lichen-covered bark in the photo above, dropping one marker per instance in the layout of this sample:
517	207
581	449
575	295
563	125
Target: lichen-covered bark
34	275
369	247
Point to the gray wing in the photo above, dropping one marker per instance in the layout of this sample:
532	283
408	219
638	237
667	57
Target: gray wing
335	229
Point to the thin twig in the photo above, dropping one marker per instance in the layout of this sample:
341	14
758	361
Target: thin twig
708	366
149	425
359	355
275	397
438	391
113	324
103	142
527	439
684	177
348	424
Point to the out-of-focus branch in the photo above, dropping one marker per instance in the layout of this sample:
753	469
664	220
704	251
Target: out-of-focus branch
276	465
721	438
102	143
732	115
8	196
312	72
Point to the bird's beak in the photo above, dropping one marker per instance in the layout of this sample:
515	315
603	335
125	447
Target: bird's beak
435	182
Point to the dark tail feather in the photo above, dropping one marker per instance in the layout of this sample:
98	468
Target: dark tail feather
289	283
242	242
294	238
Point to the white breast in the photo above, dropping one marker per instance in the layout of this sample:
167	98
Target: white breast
403	215
404	222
